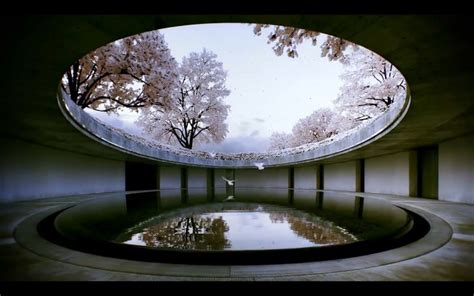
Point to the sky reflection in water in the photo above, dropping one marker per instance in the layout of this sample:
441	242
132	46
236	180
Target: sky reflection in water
233	229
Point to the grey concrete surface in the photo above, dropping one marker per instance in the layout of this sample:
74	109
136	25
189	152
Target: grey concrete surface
197	178
275	178
428	175
435	69
456	170
305	177
30	171
170	177
341	176
429	50
389	174
443	254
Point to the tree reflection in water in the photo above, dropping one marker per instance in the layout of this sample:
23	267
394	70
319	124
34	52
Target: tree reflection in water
198	233
237	225
318	231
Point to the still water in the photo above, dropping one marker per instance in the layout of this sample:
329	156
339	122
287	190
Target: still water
237	226
255	219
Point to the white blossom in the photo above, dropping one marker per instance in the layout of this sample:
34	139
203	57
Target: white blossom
321	124
371	86
197	111
133	72
280	141
288	38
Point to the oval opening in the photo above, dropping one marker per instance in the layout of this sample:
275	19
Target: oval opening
256	93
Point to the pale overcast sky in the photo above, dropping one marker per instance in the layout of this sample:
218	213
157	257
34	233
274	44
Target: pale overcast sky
269	93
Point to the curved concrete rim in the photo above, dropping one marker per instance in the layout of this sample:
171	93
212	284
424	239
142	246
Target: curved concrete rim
354	140
27	236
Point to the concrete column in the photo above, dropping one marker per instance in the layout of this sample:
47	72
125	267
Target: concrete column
428	172
143	202
320	177
291	185
319	200
360	174
230	175
140	176
413	181
218	174
319	186
358	207
184	178
210	184
219	184
184	184
158	179
291	177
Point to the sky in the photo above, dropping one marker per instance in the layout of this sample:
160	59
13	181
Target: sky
269	93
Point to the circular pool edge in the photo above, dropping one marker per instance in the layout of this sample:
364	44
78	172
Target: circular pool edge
415	229
27	236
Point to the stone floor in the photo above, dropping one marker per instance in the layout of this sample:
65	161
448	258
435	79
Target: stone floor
444	255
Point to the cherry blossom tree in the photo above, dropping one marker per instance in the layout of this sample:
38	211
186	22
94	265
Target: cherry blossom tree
280	141
288	38
192	232
197	110
321	124
317	230
133	72
371	85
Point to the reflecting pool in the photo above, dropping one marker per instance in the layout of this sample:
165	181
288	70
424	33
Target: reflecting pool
254	226
236	226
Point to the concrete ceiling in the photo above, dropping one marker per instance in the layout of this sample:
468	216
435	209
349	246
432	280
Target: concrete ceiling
432	52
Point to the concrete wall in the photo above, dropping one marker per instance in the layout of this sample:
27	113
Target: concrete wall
262	194
340	176
170	177
29	171
305	177
197	195
277	178
304	199
391	174
428	172
456	170
218	181
141	176
197	178
343	204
